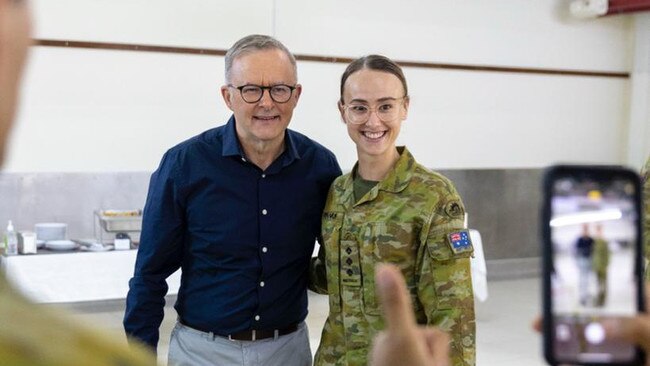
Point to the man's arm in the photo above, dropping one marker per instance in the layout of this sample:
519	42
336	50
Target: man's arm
317	266
159	255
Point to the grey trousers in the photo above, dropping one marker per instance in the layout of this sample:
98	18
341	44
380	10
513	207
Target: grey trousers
189	346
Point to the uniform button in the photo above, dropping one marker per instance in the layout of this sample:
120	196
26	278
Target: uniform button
263	175
243	159
264	212
349	261
265	249
262	284
257	318
349	272
348	250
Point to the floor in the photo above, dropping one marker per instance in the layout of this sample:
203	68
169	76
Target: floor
504	334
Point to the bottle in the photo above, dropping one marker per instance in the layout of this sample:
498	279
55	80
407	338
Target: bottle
11	240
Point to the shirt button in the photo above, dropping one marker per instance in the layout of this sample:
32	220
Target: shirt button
349	272
263	175
257	318
264	212
265	249
262	284
243	159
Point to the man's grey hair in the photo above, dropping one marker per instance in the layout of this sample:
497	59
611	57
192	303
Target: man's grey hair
252	43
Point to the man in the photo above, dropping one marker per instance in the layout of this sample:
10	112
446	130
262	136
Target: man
31	334
238	209
584	249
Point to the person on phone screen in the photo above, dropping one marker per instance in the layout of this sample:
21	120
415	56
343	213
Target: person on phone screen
584	250
600	264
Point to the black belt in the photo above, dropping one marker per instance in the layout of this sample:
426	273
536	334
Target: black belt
256	335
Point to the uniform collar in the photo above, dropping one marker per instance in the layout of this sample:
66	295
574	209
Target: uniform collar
396	180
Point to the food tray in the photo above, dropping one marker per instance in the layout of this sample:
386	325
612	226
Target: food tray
120	220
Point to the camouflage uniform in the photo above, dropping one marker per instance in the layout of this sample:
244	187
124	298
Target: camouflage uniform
32	335
600	262
407	219
646	212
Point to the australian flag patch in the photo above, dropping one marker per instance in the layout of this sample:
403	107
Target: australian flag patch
460	241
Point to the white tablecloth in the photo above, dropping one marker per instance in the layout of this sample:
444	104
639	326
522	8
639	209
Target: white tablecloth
73	277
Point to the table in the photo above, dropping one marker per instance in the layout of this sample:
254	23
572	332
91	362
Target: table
75	276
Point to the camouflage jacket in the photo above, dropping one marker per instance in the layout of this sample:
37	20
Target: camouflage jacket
408	220
600	256
646	214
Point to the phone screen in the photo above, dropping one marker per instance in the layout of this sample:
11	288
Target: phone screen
594	234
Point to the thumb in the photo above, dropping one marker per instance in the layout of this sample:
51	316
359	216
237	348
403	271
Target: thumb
634	330
395	300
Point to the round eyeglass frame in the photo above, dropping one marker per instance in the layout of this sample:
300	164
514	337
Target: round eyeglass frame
374	110
263	88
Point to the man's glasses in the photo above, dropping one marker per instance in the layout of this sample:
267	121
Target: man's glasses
387	111
253	93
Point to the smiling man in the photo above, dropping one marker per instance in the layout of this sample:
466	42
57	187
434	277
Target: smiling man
238	209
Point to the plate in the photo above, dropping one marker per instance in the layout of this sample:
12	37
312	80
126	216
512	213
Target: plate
86	242
60	245
94	248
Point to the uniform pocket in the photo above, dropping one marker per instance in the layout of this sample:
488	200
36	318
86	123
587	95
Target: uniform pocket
387	242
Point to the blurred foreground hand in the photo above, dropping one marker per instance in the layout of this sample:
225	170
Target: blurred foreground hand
634	329
403	342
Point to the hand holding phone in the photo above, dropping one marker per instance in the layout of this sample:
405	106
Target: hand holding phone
592	272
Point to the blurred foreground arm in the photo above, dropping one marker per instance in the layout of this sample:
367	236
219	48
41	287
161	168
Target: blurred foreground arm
403	342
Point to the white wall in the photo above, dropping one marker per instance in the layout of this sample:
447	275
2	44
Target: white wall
98	110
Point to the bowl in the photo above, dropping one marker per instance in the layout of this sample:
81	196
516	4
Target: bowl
50	231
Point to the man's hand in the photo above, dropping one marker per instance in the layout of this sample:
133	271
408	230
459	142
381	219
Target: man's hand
403	342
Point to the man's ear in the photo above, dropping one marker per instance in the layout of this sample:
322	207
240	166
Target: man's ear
297	92
227	96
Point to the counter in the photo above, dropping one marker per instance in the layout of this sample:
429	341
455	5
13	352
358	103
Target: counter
75	276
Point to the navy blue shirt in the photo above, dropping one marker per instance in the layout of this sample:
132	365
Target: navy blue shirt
243	237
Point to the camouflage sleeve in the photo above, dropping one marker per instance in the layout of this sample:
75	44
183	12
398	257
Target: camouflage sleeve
646	216
317	271
445	283
37	335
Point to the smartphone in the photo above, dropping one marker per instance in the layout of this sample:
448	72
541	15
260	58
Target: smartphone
592	263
